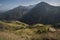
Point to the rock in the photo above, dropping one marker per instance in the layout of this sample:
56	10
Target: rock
52	29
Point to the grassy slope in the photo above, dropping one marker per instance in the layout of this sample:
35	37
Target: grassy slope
15	30
9	36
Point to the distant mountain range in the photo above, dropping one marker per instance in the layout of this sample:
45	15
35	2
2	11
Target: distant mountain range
15	13
41	13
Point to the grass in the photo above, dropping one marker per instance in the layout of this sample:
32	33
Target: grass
12	25
10	36
15	30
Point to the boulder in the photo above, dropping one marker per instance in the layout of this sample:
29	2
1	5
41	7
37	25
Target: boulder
52	29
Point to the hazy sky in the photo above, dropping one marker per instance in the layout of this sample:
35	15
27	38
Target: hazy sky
9	4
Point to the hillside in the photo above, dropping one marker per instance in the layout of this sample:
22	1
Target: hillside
15	30
42	13
15	13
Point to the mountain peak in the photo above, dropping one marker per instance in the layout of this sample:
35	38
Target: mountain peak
43	3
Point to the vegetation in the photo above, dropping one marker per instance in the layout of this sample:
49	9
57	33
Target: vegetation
9	36
12	25
15	30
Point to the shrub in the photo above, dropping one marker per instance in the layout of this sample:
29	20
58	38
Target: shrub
41	28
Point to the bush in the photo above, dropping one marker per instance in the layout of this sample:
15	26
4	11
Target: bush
41	28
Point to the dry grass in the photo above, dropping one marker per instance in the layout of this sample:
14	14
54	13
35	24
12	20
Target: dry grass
15	30
13	25
10	36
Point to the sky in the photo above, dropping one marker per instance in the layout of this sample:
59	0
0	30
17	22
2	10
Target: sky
9	4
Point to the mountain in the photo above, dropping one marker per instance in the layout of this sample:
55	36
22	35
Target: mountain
1	11
42	13
15	13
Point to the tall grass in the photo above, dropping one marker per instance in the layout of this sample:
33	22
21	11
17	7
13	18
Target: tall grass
15	30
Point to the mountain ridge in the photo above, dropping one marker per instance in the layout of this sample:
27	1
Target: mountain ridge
42	13
15	13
